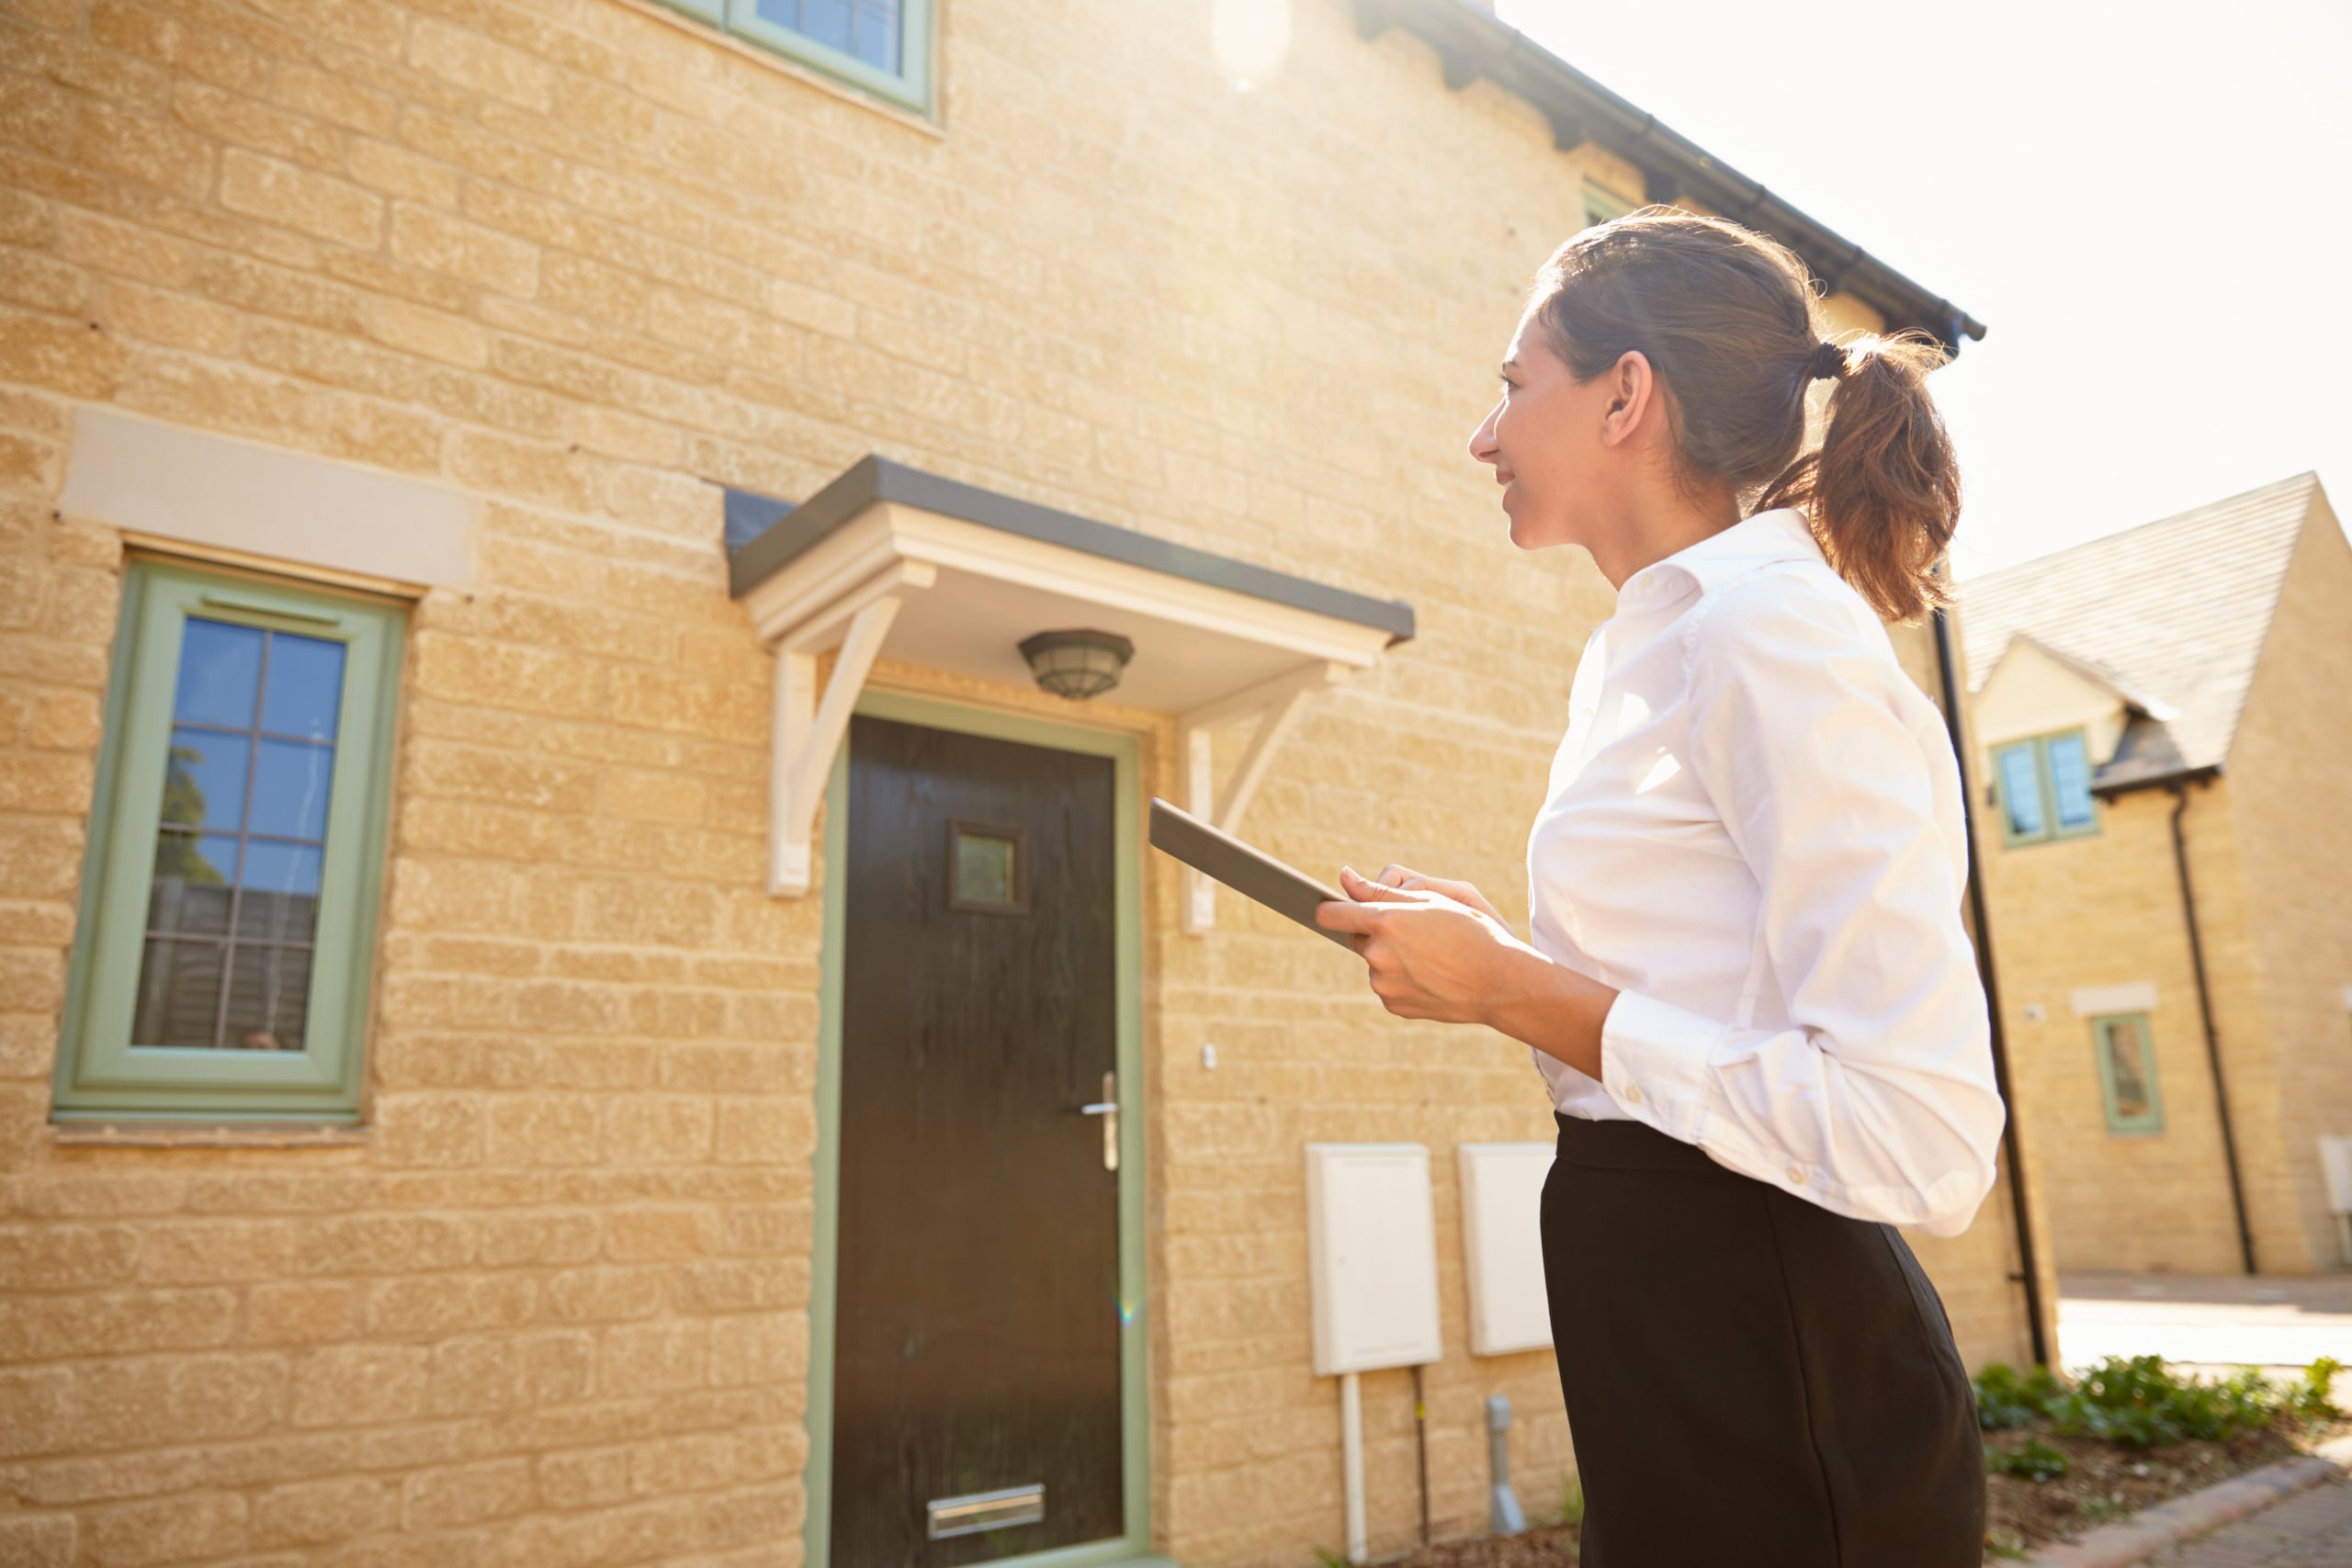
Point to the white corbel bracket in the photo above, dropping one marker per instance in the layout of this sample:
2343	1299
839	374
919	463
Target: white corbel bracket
807	731
1275	704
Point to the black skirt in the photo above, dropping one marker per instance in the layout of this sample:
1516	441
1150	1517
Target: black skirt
1750	1379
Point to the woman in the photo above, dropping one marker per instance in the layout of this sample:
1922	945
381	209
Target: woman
1747	989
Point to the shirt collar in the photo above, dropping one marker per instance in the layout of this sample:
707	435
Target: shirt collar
1759	540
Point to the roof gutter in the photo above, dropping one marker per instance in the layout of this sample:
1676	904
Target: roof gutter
1471	42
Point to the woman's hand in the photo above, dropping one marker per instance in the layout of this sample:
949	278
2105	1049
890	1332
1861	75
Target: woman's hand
1405	877
1431	954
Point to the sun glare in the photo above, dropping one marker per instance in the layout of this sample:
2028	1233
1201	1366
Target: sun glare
1250	39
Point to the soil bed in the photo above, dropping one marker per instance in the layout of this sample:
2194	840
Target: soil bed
2104	1483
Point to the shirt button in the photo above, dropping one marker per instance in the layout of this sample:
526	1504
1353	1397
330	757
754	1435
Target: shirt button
1633	1094
1796	1176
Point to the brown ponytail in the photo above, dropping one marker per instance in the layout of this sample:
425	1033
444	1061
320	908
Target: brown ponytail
1727	318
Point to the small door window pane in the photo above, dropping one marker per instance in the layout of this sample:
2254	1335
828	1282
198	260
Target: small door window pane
194	877
179	994
305	688
986	868
2021	790
2128	1066
269	991
204	780
279	899
2070	778
219	674
290	790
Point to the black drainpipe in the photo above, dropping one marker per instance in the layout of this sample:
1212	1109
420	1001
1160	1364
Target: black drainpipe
2028	1274
2205	1011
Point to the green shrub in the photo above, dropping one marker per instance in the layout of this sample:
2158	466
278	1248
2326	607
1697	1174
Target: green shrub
2309	1398
2138	1403
2035	1461
2005	1399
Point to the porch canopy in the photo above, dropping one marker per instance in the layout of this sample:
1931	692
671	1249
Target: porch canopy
947	574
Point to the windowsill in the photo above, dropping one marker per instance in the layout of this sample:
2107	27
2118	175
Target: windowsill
792	68
130	1134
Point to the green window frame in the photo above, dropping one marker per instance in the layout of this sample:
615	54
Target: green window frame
2125	1049
338	662
1600	206
2042	786
908	87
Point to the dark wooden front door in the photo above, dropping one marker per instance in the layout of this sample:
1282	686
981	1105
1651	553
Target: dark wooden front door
976	1311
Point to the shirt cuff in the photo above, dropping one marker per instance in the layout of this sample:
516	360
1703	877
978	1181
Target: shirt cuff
1654	1059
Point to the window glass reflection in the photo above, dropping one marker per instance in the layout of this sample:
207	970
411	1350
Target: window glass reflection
220	673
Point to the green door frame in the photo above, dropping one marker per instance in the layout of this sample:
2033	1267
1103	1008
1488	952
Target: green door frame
1127	900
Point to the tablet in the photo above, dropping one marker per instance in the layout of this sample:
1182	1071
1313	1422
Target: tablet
1249	871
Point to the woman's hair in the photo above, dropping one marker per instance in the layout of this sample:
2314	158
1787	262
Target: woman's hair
1727	318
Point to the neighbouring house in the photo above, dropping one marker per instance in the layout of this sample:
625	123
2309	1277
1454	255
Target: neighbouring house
566	996
2159	720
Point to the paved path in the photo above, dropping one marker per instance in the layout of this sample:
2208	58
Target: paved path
2206	1321
2310	1529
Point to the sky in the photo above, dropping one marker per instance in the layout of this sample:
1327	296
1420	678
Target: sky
2149	206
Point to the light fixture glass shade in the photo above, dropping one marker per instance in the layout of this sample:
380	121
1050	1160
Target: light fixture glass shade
1077	664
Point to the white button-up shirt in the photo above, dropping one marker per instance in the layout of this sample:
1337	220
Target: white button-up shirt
1754	833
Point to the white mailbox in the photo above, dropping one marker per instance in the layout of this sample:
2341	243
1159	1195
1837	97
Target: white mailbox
1372	1256
1502	1244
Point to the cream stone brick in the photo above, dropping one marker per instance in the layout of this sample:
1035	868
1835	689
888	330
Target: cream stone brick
39	1541
437	336
476	1375
439	1303
652	1358
583	1478
205	1252
603	1295
466	1495
40	1329
320	205
186	1398
467	60
311	1513
305	1314
169	1530
358	1385
431	239
385	1243
338	99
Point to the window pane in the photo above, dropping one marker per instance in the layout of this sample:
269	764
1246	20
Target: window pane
179	994
2124	1048
290	790
280	898
269	990
2020	790
876	34
192	880
984	869
305	687
2070	774
219	674
204	780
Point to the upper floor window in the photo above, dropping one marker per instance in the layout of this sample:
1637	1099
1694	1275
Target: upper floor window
2044	785
1600	206
221	961
882	46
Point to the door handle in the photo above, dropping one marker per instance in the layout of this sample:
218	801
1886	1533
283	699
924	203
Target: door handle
1107	1107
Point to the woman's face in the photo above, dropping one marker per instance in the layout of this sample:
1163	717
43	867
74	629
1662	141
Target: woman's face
1544	439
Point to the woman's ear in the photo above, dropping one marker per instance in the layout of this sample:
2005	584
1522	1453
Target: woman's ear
1633	387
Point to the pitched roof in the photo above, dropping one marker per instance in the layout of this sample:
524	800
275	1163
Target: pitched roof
2175	610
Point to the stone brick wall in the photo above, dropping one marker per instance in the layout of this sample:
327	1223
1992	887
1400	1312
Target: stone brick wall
2291	798
580	261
